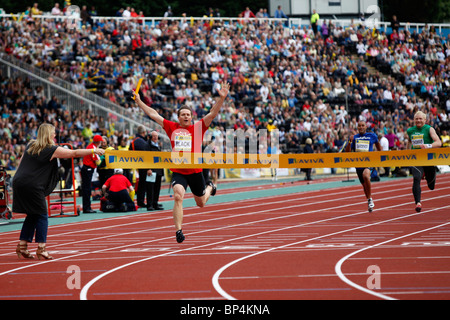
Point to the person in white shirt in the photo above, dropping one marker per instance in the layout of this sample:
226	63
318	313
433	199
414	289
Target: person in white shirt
56	11
321	107
387	94
126	38
257	111
440	55
264	91
307	124
127	86
361	48
126	13
384	143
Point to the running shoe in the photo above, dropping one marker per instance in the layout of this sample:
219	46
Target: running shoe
214	188
418	207
371	204
180	236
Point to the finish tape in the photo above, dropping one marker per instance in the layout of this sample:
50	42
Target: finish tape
185	160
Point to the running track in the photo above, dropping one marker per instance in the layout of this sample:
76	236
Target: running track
320	244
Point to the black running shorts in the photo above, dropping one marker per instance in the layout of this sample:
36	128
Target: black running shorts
359	172
195	181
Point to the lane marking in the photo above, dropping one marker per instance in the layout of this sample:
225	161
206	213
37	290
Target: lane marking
219	228
85	289
222	292
338	266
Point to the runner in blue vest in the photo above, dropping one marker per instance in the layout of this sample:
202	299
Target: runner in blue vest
364	142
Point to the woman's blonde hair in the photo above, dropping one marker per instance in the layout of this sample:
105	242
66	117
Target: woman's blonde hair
44	139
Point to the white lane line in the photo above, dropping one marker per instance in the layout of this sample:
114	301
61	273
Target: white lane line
227	227
338	266
85	289
216	276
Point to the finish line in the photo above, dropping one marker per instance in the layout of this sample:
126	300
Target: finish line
184	160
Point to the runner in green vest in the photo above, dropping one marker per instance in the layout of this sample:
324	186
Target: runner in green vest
422	136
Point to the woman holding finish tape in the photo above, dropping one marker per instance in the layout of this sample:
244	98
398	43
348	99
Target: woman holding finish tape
35	178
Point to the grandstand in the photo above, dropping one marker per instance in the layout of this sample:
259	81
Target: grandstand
280	239
307	85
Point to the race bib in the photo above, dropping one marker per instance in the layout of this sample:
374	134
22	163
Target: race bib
362	145
417	140
183	143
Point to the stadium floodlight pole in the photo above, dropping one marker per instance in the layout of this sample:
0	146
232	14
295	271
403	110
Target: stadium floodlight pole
381	11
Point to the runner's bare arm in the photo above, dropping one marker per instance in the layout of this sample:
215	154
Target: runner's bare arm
152	113
378	146
437	143
223	92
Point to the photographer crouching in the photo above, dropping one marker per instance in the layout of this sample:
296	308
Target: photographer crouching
116	191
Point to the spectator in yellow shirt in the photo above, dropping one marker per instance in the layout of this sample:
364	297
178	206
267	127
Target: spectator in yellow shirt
445	138
87	132
35	10
270	126
314	20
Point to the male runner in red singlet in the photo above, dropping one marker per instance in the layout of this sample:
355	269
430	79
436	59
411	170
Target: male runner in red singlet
187	137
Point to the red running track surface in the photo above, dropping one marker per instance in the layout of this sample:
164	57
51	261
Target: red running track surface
304	245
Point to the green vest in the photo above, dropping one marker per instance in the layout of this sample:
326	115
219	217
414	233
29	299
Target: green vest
314	17
419	136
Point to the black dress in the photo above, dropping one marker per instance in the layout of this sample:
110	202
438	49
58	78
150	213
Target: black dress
35	179
308	149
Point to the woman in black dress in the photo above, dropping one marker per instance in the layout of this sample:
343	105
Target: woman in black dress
308	149
35	178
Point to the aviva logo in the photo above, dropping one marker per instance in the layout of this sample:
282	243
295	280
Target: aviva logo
352	159
433	156
304	161
113	159
398	158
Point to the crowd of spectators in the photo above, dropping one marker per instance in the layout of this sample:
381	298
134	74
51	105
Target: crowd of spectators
306	84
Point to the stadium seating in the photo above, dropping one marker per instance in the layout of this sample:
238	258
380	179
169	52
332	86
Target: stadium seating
306	84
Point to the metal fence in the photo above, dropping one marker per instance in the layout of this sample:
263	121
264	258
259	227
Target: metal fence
441	28
75	99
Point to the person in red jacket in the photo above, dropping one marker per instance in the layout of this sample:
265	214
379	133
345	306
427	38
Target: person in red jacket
117	190
136	42
90	162
187	137
247	13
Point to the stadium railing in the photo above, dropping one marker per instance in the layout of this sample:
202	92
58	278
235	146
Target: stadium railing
441	28
114	114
